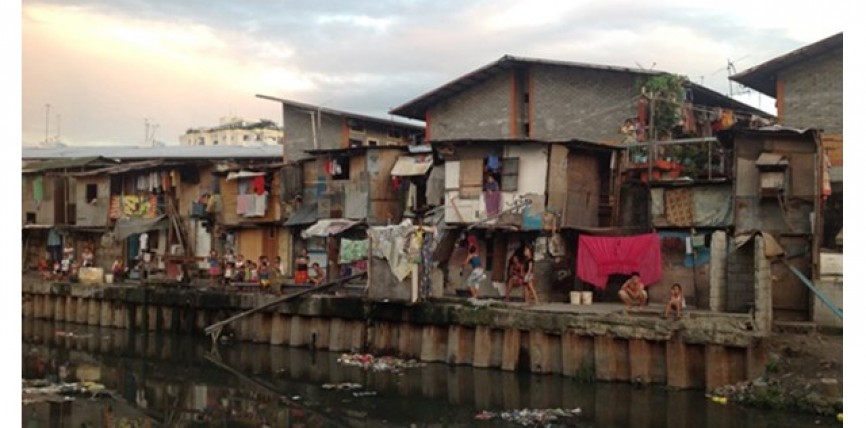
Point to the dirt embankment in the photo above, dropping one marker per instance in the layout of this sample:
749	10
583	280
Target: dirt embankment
804	373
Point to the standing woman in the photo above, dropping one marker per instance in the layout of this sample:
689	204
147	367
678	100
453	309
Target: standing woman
213	263
477	274
529	273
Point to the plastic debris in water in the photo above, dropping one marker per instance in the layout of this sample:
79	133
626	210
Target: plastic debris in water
529	417
342	386
380	364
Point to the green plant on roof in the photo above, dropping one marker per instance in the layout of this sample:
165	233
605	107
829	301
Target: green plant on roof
666	91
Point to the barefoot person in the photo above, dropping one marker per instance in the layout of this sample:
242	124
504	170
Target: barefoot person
477	274
515	276
676	301
633	293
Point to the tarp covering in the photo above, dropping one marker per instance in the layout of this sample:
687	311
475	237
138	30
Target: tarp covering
329	227
306	214
243	174
126	227
412	165
352	250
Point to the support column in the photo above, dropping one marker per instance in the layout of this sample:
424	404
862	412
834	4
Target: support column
639	361
280	327
763	290
434	344
81	305
578	356
69	316
460	345
93	312
510	349
718	271
298	335
483	347
545	355
718	367
611	358
59	310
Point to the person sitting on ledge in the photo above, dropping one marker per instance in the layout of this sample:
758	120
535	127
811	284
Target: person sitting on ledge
633	293
676	302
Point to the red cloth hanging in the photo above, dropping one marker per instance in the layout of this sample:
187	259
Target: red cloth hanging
258	185
600	256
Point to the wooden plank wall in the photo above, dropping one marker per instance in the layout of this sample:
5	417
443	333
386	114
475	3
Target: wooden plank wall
557	180
583	191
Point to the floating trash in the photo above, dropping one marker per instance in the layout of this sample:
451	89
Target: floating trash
529	417
380	364
346	386
364	394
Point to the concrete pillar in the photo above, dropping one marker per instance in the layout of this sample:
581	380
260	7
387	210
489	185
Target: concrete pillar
37	305
81	305
686	365
336	335
167	317
320	328
152	318
658	365
639	360
718	371
461	343
120	315
27	306
434	344
261	327
409	340
93	312
280	326
756	359
578	356
545	353
69	316
357	336
718	270
105	314
59	310
510	349
298	335
611	358
47	307
763	290
483	347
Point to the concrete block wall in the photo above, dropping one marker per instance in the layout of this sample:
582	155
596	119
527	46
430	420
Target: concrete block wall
812	93
718	271
574	103
740	292
763	289
482	111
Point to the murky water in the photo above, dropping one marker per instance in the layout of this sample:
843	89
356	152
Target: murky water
178	381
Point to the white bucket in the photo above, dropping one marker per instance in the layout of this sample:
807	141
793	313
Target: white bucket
575	297
109	278
586	297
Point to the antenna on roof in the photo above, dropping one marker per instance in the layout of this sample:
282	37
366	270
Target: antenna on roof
645	69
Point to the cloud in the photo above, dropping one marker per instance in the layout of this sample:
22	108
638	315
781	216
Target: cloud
107	64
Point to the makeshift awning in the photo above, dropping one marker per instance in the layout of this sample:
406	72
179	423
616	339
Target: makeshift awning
306	214
126	227
329	227
412	165
243	174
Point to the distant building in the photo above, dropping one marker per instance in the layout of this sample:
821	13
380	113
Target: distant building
234	131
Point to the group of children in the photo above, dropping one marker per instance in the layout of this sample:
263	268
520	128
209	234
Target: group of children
633	293
233	269
66	268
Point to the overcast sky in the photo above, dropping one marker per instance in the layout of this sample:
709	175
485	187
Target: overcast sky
106	66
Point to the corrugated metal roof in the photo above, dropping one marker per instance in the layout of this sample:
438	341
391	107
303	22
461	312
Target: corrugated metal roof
314	108
166	152
134	166
412	165
417	107
762	77
65	162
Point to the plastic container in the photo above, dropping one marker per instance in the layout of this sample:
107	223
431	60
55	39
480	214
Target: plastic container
586	297
575	297
109	278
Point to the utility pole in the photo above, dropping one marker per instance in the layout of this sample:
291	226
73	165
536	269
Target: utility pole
47	111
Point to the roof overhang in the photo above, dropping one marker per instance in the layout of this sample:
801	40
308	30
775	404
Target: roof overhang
762	77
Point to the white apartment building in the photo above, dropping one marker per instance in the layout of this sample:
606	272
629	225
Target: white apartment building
234	131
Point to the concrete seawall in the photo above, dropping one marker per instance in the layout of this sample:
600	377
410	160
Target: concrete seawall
700	352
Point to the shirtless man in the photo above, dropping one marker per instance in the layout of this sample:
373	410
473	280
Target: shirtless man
633	293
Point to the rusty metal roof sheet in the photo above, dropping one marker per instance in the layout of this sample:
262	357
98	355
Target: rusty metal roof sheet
412	165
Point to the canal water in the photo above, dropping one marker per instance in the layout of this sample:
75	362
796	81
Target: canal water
180	381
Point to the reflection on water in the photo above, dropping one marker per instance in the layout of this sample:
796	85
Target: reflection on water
165	380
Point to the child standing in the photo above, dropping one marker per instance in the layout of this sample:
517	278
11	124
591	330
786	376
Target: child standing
676	302
477	274
213	264
515	276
